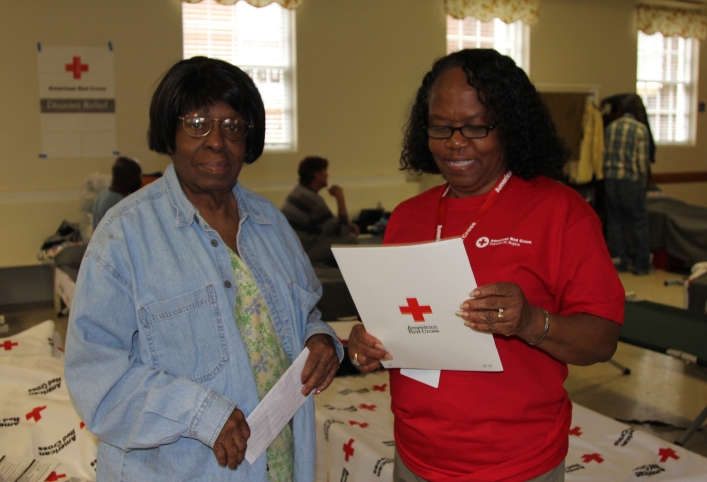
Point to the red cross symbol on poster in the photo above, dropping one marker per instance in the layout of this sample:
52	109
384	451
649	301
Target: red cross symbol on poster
76	67
348	449
413	308
35	413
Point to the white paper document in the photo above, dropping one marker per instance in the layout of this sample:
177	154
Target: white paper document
276	409
26	469
407	297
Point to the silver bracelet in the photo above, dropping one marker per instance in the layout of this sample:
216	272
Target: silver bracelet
547	327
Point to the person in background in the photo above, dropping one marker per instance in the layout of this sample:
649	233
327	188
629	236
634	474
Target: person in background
127	178
310	217
627	156
192	301
547	290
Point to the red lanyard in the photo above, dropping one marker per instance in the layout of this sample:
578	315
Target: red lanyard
490	200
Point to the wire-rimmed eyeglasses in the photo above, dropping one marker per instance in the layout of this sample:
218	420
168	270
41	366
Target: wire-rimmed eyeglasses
200	125
469	132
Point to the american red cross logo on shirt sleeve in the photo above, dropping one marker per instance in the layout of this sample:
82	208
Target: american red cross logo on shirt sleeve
413	308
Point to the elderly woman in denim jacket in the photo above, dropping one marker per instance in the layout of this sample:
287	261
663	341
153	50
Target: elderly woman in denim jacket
192	300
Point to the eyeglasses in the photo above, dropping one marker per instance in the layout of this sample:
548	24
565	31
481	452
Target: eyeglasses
200	125
469	132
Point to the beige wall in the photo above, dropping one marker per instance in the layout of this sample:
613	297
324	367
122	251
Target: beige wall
359	63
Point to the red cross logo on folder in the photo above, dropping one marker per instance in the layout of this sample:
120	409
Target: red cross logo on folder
76	67
413	308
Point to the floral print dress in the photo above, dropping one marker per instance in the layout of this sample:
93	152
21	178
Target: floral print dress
267	359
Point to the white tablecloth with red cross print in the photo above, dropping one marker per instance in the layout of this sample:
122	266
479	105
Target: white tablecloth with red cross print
355	441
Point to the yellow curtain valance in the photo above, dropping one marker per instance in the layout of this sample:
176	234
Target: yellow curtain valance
256	3
671	21
507	10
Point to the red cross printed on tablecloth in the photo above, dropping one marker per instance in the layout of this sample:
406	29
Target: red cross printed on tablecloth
592	457
367	407
348	449
413	308
667	453
380	388
35	413
362	424
53	477
576	431
76	67
8	344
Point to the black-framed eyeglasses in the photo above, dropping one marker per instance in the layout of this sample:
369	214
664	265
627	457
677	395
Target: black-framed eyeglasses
200	125
469	132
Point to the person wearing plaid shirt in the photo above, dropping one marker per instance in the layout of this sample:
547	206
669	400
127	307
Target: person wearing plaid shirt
626	157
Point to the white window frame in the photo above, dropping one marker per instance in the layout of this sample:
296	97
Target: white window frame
204	35
670	96
509	39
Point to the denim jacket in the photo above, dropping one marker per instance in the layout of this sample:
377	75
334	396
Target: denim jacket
155	362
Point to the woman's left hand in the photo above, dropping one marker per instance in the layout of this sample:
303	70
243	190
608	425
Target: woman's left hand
321	365
499	308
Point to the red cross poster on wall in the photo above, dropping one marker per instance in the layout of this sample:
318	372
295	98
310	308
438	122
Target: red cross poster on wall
76	101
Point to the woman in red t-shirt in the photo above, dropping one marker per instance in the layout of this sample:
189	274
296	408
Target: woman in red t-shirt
547	289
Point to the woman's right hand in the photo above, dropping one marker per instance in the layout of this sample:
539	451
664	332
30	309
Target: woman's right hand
367	349
232	442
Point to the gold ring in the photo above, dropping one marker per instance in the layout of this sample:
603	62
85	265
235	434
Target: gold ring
355	362
500	313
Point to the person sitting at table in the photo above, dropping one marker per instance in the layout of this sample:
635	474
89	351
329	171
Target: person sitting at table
127	178
547	290
193	299
311	218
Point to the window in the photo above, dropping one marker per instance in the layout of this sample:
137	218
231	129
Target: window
666	80
261	42
508	38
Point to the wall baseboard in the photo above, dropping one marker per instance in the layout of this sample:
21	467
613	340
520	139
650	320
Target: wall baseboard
678	177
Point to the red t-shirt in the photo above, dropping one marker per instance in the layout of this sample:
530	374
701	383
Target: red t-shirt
511	425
